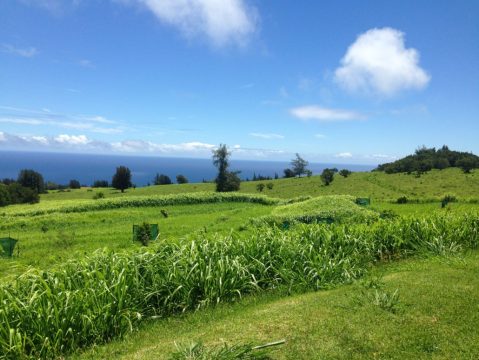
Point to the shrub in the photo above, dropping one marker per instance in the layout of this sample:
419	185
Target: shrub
402	200
345	173
181	179
260	187
100	184
161	179
327	176
270	186
99	195
74	184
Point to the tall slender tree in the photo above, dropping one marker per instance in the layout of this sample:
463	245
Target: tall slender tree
225	180
299	165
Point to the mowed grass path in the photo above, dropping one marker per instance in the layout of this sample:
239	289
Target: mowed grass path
377	185
436	318
49	239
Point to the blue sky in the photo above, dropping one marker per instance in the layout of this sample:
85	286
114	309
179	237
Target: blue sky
337	81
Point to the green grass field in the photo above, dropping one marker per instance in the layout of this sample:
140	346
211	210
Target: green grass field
435	317
340	323
377	185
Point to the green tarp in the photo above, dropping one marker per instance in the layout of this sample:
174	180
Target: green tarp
8	245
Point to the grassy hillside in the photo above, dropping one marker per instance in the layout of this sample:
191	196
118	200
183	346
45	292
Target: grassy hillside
435	317
201	225
377	185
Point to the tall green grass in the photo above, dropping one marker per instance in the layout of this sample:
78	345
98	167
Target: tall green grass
105	295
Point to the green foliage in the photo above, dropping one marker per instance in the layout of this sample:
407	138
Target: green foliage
31	179
181	179
100	184
345	173
143	233
99	195
122	178
74	184
225	180
288	173
334	208
260	187
270	186
161	179
327	176
4	195
402	200
299	165
467	164
425	159
144	201
14	193
99	297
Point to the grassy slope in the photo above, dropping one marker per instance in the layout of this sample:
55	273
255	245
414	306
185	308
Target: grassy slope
379	186
436	318
85	232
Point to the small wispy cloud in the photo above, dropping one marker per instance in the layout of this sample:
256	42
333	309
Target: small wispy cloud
319	113
26	52
378	62
283	92
319	136
305	84
45	117
86	63
247	86
267	135
344	155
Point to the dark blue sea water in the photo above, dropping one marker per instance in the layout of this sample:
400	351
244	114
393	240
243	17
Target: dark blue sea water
61	168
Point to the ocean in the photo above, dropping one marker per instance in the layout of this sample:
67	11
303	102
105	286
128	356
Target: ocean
61	168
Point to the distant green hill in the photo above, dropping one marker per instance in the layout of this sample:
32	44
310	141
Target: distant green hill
425	159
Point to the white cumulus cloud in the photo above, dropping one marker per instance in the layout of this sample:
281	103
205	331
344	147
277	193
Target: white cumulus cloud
222	21
319	113
379	62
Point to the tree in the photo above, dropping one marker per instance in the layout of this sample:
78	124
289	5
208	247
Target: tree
122	178
74	184
345	173
181	179
162	180
20	194
100	183
288	173
260	187
225	180
327	176
466	164
31	179
299	165
4	195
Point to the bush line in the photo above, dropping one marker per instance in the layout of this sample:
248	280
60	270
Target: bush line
159	200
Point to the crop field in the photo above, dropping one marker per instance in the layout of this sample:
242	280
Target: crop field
80	280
